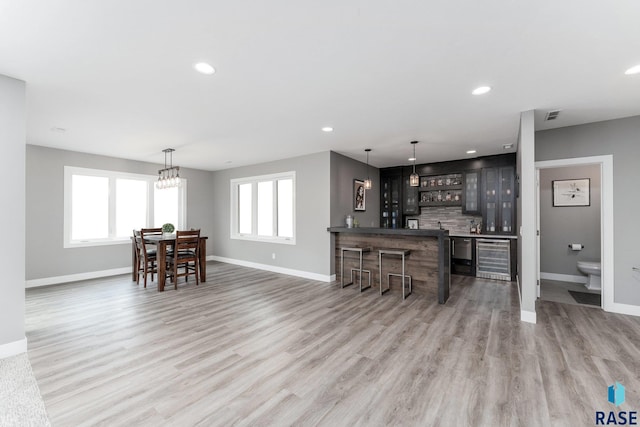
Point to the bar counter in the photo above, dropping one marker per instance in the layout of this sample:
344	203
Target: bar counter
428	264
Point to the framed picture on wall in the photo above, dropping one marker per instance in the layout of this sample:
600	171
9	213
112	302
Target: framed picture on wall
572	192
359	202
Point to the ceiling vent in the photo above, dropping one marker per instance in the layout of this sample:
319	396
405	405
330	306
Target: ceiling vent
552	115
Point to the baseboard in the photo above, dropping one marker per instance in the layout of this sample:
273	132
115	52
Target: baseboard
13	348
631	310
528	316
563	277
34	283
274	269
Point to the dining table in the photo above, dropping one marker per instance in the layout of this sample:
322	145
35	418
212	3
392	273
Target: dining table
162	242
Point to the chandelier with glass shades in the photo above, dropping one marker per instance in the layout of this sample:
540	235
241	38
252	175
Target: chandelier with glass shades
168	177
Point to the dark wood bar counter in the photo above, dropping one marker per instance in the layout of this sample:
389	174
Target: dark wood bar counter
428	264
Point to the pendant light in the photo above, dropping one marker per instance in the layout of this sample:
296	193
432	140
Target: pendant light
367	182
169	176
414	178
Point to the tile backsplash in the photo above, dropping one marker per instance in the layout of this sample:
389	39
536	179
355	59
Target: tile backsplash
451	217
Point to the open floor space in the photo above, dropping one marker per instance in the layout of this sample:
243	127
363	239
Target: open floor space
250	347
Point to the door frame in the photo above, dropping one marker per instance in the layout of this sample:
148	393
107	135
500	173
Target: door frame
606	217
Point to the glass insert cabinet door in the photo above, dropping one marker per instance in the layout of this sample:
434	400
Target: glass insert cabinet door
490	193
471	193
506	199
391	201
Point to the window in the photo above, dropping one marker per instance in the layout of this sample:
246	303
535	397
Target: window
263	208
103	207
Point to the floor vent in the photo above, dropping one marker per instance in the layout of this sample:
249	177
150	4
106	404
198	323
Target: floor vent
552	115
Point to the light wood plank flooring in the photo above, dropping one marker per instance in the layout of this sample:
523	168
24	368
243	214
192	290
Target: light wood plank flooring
255	348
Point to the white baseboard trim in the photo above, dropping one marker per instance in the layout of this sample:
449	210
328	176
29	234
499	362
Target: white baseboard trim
274	269
34	283
631	310
13	348
528	316
563	277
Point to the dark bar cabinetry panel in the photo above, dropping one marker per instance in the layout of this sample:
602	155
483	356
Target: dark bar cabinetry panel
391	198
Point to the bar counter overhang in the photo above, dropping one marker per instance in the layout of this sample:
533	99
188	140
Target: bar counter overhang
428	264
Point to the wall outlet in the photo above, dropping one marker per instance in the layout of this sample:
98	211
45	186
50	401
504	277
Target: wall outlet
273	255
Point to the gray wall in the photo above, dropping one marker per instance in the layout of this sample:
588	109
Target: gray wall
12	141
46	256
343	171
620	138
560	226
311	253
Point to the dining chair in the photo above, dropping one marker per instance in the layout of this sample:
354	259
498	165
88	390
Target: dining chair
147	258
185	255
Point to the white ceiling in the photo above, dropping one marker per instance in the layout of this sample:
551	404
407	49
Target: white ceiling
118	76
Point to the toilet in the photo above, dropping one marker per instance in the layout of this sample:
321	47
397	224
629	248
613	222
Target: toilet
593	270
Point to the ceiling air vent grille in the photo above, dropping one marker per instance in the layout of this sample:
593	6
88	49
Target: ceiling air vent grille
552	115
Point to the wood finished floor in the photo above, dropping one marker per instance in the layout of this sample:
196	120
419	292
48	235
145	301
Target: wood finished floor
256	348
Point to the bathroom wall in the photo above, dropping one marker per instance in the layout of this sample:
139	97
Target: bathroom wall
560	226
618	138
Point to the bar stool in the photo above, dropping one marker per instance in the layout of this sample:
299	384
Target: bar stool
360	251
396	252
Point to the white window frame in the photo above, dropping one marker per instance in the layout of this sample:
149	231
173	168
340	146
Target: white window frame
69	171
235	183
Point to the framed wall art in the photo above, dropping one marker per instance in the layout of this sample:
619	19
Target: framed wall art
412	224
572	192
359	202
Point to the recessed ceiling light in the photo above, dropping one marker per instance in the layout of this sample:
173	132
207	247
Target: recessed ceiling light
204	68
633	70
507	146
411	159
327	129
471	151
481	90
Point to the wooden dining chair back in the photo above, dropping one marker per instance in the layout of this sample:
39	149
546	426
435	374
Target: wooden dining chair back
185	255
137	260
147	254
152	231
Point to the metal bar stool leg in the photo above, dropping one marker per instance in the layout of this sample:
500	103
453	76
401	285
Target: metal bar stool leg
360	269
403	276
341	268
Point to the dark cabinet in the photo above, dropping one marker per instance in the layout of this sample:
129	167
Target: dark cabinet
497	200
471	192
391	198
410	204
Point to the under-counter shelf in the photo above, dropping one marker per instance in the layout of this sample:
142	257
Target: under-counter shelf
441	203
442	188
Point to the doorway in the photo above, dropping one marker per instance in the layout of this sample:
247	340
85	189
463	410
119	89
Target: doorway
559	259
